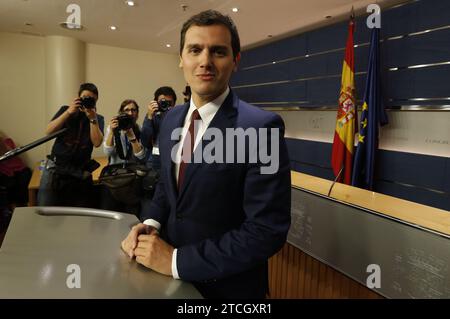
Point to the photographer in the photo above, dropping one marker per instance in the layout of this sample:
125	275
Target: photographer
164	99
122	145
123	129
66	178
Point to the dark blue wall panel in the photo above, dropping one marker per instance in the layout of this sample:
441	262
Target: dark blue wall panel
325	49
419	178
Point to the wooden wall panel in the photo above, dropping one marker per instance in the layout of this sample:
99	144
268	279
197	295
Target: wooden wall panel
296	275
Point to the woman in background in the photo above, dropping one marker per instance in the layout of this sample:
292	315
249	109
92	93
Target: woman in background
122	145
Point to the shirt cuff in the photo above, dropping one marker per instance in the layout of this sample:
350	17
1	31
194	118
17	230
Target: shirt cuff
153	223
107	149
174	265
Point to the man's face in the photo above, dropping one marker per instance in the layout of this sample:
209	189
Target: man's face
87	93
207	61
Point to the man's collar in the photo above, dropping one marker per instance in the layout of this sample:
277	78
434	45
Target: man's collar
210	109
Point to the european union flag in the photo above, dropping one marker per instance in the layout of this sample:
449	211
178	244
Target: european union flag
373	114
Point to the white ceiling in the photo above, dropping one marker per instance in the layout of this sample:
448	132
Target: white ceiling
151	24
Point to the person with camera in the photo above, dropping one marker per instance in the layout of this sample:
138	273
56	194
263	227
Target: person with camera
122	145
66	178
164	99
122	139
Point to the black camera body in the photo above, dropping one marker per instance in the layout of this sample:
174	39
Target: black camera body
164	105
88	102
125	121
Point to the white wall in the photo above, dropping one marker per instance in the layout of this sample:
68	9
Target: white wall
130	74
22	90
118	73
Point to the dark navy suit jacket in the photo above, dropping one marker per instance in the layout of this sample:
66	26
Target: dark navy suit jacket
228	218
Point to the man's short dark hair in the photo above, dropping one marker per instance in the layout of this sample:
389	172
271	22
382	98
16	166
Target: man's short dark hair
166	90
88	87
212	17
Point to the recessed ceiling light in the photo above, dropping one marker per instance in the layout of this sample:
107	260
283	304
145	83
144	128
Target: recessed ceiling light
235	9
168	45
130	3
328	17
113	27
28	24
269	36
71	26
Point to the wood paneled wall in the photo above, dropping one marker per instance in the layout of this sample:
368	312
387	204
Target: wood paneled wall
296	275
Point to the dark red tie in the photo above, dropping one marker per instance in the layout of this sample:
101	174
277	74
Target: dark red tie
187	148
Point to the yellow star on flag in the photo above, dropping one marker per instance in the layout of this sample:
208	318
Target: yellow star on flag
364	123
361	138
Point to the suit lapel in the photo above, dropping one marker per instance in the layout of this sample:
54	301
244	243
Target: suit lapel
225	117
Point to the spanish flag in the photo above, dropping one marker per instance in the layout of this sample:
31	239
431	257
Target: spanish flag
344	135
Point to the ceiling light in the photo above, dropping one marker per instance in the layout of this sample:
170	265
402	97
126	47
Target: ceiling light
168	45
328	17
71	26
130	3
235	9
113	27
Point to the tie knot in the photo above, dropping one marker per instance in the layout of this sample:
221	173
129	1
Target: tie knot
195	116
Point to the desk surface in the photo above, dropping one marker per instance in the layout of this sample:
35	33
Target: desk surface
36	177
43	243
424	216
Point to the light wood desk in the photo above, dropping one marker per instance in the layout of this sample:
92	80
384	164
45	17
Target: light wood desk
305	273
410	212
35	180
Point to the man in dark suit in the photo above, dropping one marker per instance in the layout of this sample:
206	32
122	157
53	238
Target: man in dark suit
218	214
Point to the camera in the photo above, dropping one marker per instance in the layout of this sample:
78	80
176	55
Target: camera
88	102
164	105
125	121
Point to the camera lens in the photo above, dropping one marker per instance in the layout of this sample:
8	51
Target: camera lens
125	121
164	105
88	102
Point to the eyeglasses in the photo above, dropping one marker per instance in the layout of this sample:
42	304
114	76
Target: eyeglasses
130	110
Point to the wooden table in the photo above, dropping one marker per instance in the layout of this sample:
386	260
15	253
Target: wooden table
35	180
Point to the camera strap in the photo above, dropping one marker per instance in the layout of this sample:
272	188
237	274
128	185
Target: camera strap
123	147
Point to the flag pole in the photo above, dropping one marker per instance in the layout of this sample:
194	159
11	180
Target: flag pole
335	180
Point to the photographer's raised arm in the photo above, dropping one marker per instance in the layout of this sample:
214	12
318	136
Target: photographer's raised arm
152	108
58	122
135	143
96	133
110	132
